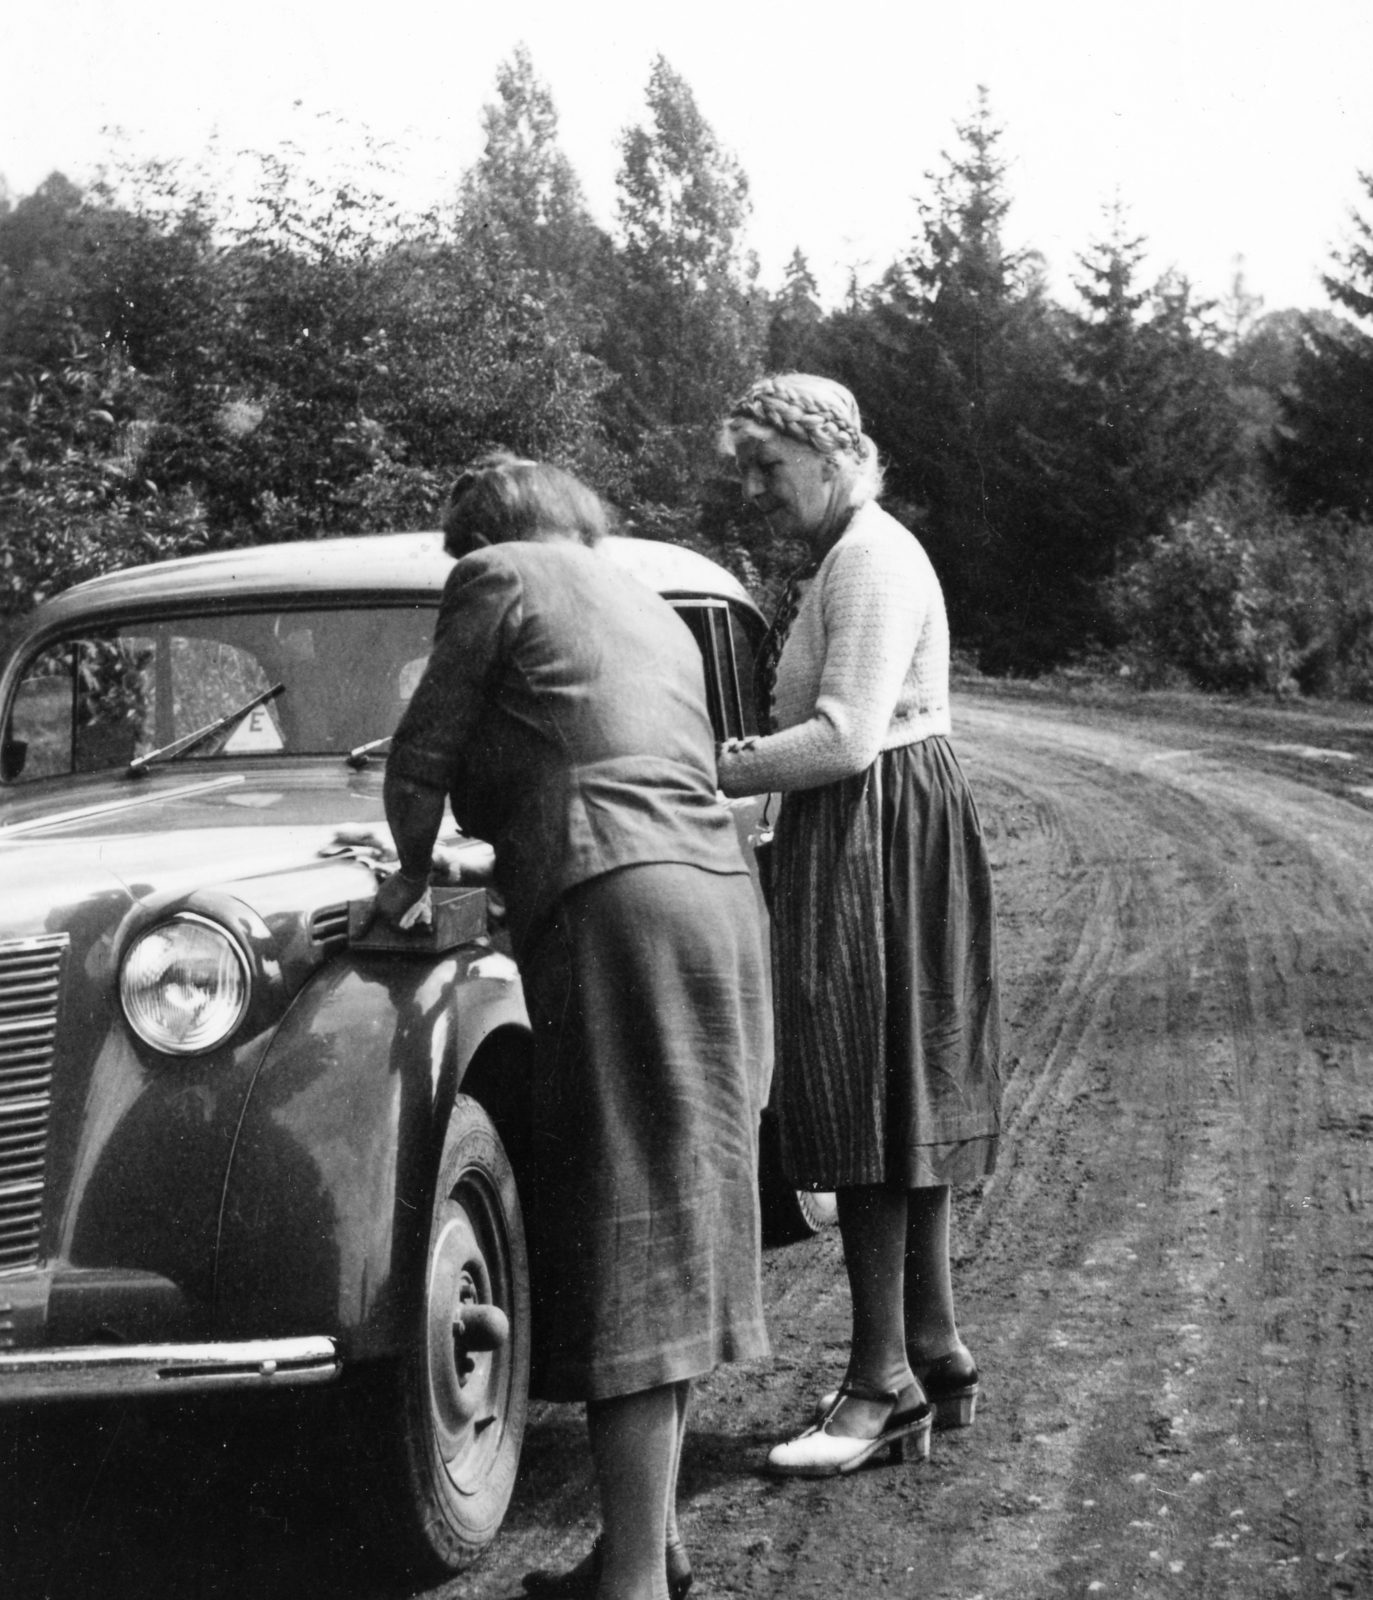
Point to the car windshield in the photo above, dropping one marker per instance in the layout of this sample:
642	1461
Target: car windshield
101	698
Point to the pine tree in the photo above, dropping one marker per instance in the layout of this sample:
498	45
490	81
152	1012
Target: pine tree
1149	423
1323	458
794	319
1240	310
953	360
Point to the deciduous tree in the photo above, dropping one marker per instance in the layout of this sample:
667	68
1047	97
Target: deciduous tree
686	331
178	373
521	203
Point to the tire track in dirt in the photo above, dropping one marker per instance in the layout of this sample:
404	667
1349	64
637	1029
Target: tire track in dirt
1166	1281
1239	1124
1312	1404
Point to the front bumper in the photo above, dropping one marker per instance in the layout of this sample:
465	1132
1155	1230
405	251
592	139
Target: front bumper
98	1372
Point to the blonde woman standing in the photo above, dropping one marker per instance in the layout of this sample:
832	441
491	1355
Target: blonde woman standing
888	1052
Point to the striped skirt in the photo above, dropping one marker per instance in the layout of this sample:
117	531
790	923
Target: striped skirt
885	981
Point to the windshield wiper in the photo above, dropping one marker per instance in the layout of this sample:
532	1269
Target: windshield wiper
169	752
357	756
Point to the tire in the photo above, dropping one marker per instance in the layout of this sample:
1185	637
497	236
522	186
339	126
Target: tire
438	1434
817	1208
789	1214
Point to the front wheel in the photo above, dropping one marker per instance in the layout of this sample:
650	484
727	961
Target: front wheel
441	1430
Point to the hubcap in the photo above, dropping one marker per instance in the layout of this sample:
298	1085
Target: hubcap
465	1380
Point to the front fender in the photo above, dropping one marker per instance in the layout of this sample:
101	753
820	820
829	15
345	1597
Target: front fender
328	1192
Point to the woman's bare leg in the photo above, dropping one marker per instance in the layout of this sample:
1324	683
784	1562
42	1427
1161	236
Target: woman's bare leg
634	1445
931	1330
873	1224
683	1392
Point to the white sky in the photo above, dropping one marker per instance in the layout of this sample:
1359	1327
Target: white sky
1226	128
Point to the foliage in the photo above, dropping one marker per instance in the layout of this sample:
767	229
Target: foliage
1322	457
73	406
794	319
184	367
685	332
1035	449
1241	594
521	205
1148	422
954	360
181	372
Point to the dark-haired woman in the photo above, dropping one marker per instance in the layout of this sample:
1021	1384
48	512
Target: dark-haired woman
563	712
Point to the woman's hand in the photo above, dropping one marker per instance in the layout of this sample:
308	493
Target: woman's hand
396	896
726	774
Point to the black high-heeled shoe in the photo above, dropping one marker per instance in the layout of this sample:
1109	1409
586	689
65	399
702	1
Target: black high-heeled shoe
951	1385
580	1582
678	1571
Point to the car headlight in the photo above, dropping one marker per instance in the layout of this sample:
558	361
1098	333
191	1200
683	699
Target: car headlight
185	985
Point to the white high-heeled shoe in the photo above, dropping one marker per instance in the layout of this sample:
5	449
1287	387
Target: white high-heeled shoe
817	1453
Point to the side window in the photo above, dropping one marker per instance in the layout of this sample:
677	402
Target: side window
114	700
38	741
81	705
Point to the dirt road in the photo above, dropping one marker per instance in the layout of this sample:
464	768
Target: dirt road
1168	1284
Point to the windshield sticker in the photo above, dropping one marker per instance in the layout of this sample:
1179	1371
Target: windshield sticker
257	731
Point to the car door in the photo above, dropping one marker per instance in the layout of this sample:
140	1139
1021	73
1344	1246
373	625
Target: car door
729	635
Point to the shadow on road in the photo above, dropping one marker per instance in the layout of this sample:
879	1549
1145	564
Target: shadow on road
201	1500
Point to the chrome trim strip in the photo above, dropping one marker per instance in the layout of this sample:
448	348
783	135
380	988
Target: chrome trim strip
86	1372
31	976
60	819
28	1024
34	944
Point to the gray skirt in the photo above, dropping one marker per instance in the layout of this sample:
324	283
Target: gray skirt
647	996
885	979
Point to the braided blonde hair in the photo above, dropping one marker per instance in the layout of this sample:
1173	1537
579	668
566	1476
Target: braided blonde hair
818	413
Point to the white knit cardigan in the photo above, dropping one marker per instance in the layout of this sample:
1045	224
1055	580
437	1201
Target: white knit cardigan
865	667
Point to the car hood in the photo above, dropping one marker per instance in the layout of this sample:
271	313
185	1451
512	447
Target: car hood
117	841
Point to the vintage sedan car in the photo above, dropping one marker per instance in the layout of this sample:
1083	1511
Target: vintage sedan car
245	1146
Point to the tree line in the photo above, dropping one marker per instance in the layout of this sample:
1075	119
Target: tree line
1182	487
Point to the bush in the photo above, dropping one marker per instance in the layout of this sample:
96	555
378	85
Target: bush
1241	595
179	370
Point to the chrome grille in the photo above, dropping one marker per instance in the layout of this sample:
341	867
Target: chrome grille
30	982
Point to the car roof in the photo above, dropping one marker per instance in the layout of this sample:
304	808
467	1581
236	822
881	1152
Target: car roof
399	566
